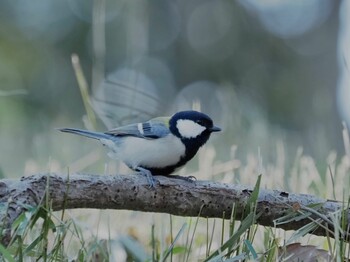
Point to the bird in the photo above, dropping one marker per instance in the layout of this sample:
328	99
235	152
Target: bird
159	146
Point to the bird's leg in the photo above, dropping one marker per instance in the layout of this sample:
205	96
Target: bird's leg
148	174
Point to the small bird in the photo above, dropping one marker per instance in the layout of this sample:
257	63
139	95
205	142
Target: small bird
158	146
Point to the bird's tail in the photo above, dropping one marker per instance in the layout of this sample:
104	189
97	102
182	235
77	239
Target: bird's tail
81	132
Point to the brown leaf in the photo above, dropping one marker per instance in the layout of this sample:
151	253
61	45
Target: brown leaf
296	206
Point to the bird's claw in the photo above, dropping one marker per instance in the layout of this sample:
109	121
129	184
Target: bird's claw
150	179
191	178
186	178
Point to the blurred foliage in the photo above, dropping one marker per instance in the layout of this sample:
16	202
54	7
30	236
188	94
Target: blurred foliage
266	71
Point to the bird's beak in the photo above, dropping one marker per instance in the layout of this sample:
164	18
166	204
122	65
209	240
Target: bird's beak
214	129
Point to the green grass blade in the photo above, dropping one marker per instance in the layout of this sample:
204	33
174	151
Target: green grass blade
251	203
29	249
6	254
222	228
134	248
251	249
272	251
153	242
245	225
302	232
211	239
194	231
170	249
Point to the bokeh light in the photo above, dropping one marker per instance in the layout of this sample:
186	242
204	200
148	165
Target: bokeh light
289	18
208	26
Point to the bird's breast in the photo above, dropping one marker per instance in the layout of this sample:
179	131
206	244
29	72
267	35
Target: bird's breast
156	153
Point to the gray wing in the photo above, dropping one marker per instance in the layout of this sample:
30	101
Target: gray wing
153	129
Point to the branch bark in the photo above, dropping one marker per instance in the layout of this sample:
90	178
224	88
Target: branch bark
173	196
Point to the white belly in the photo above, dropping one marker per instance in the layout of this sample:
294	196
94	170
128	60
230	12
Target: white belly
154	153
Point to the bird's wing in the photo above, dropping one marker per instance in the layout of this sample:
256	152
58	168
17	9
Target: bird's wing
152	129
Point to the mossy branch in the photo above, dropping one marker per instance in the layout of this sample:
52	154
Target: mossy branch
172	196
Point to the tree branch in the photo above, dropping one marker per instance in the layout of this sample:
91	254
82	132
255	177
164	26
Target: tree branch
173	196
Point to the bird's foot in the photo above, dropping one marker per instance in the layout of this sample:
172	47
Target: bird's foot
150	179
186	178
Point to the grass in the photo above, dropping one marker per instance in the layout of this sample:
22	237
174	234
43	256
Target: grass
41	234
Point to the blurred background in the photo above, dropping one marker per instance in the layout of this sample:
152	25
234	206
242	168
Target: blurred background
272	74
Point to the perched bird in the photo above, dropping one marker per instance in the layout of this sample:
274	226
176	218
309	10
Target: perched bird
158	146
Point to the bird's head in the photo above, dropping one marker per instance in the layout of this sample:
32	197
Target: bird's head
192	127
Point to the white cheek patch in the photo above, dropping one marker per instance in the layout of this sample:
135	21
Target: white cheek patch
188	128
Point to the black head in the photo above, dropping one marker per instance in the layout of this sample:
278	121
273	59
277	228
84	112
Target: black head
193	128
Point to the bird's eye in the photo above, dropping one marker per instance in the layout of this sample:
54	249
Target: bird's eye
200	122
